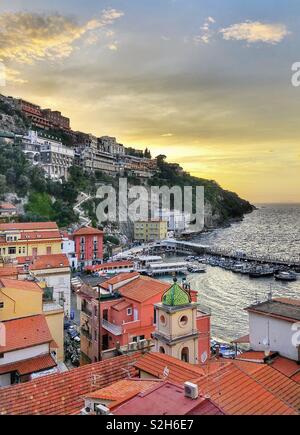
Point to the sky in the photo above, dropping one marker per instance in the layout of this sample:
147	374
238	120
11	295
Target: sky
205	82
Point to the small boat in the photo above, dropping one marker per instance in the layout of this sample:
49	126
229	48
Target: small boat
286	276
196	269
261	272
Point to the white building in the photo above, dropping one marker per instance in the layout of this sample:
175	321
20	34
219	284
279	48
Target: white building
178	221
54	271
48	152
274	327
27	350
68	249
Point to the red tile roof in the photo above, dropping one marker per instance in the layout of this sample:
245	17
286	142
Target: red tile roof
63	393
116	264
55	261
296	378
29	226
30	365
118	279
286	366
26	332
40	235
155	363
122	305
143	288
166	398
240	393
7	206
20	285
8	271
288	301
85	231
122	390
255	356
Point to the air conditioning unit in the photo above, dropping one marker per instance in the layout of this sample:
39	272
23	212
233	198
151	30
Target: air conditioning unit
132	346
86	411
102	410
191	390
142	344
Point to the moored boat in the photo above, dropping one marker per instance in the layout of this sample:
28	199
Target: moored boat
286	276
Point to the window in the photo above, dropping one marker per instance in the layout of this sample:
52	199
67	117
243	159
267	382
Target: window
163	320
129	311
1	304
12	250
162	350
183	321
185	354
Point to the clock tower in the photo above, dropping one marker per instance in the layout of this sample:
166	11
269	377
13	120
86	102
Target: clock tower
176	331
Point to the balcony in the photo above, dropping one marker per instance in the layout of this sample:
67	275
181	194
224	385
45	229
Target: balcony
86	333
110	327
86	311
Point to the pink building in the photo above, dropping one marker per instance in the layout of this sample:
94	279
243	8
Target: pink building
88	246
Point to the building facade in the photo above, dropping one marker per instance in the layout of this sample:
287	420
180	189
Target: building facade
32	239
88	246
147	231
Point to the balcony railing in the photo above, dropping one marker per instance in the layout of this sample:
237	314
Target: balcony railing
110	327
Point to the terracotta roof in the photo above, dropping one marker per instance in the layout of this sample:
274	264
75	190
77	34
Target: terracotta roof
166	398
8	271
54	261
122	390
296	378
26	332
40	235
286	366
122	305
7	206
30	365
85	231
116	264
240	393
143	288
284	309
20	285
63	393
255	356
29	226
118	279
288	301
179	371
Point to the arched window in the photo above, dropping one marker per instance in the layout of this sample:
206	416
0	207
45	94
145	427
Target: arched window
185	354
162	349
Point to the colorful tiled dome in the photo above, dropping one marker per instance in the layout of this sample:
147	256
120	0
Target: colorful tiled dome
176	296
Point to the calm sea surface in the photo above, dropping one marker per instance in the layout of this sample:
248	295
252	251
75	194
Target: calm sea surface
270	230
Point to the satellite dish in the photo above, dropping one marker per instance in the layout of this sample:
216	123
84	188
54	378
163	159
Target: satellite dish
204	357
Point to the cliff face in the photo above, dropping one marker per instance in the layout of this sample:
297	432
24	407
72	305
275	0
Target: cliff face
11	119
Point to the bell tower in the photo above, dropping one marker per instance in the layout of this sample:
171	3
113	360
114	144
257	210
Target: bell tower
176	331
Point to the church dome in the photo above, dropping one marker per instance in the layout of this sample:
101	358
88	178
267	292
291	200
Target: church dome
176	296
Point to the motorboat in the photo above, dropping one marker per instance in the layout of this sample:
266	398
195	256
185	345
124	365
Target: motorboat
261	272
286	276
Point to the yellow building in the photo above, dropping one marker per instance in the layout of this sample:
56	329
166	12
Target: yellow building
29	240
20	299
147	231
